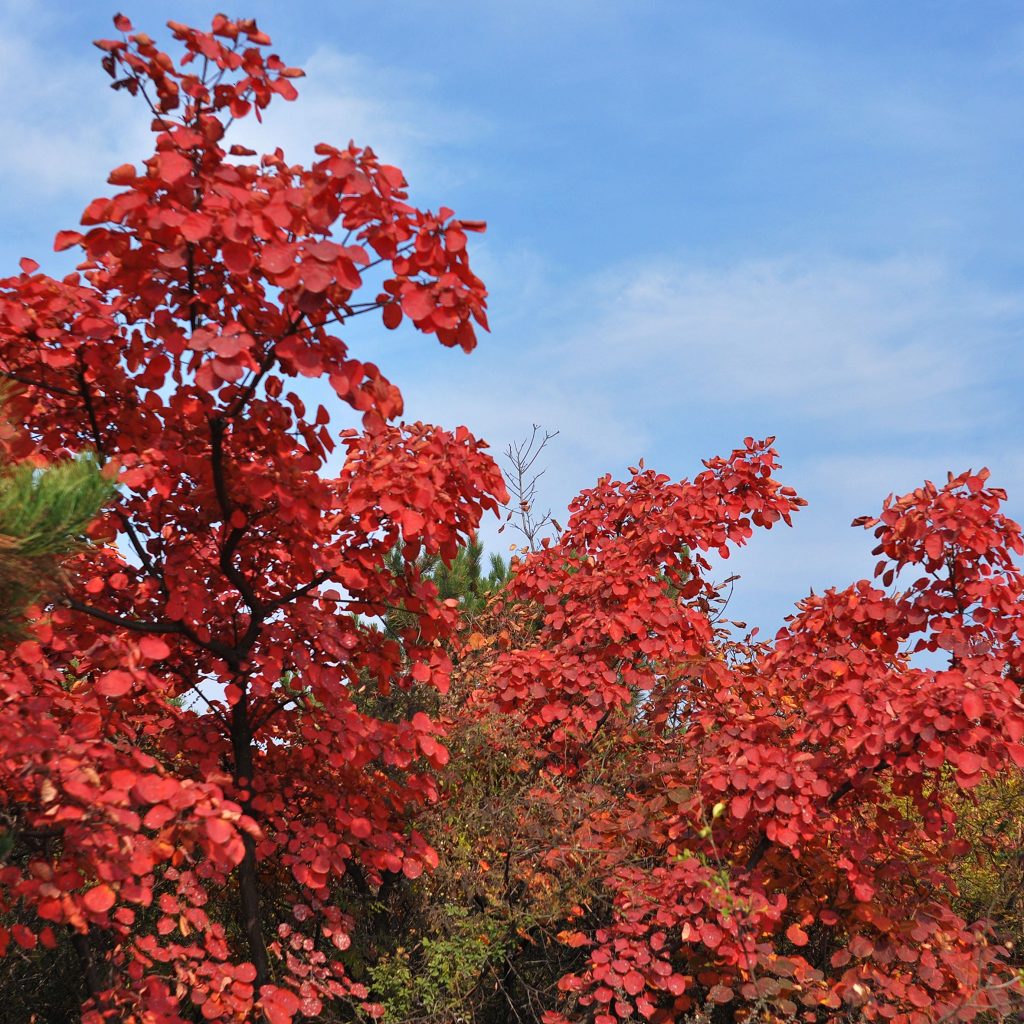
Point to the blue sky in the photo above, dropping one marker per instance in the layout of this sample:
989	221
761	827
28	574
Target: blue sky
707	220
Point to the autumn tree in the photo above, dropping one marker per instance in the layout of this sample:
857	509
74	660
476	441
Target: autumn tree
207	779
188	777
666	820
780	846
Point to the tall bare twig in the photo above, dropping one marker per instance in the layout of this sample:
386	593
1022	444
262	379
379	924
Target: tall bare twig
522	478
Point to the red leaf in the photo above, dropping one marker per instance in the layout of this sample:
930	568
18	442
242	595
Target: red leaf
276	1014
918	996
933	546
276	259
155	789
172	166
123	175
315	276
974	706
740	806
197	226
412	521
114	684
154	648
66	239
279	1004
238	258
157	816
417	304
245	973
325	251
285	89
99	899
219	830
455	239
633	983
392	315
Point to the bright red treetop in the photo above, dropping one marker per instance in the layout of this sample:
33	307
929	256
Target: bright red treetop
233	570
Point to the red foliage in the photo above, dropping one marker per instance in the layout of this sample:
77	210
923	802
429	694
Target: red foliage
781	841
252	577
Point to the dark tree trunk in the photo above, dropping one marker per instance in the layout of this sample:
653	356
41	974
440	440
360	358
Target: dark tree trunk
250	916
82	946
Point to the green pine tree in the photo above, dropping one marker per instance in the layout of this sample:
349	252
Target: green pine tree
463	579
43	517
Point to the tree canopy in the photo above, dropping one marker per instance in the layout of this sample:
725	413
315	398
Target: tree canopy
275	748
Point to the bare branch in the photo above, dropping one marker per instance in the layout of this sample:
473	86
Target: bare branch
522	480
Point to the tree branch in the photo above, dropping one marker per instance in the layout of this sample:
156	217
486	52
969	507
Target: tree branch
298	592
134	625
226	560
56	389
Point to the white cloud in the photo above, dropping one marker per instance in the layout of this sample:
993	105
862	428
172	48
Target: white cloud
875	376
893	345
64	127
855	352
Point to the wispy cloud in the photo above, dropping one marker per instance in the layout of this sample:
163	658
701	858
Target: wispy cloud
64	129
874	375
809	230
887	351
878	347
